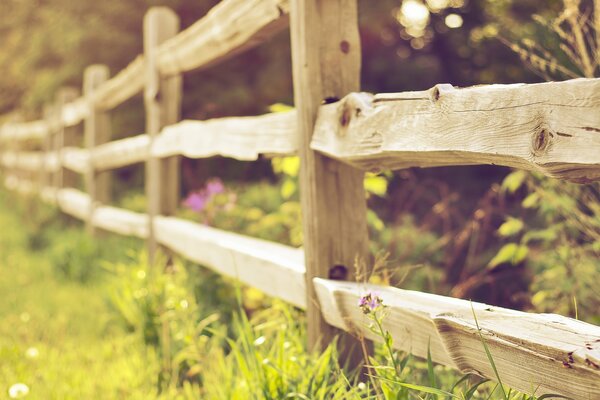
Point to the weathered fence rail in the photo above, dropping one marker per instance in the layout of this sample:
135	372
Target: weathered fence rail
553	128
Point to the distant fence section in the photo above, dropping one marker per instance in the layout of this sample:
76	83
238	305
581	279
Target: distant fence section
552	128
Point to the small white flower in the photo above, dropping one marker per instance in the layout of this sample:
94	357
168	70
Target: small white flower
260	340
362	386
32	352
184	303
18	391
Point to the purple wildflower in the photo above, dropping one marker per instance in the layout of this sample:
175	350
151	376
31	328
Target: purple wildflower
370	302
214	186
199	199
196	201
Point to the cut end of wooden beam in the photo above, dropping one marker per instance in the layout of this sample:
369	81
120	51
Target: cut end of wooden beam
552	128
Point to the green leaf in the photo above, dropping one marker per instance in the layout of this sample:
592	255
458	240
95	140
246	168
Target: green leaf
509	253
280	107
288	188
376	184
531	201
374	221
513	181
290	166
510	227
545	235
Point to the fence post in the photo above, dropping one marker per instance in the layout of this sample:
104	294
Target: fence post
96	131
65	136
162	99
326	65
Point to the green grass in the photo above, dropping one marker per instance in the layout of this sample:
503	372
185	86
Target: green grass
56	336
125	330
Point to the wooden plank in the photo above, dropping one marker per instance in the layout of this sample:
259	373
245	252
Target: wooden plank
231	27
275	269
123	222
326	63
74	202
74	159
66	137
123	86
33	130
162	98
75	112
120	153
242	138
553	128
97	130
545	353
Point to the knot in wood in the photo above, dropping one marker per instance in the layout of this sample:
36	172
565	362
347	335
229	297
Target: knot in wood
540	141
352	106
439	90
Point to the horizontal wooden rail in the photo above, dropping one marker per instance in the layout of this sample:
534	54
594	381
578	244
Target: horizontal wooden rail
120	153
75	159
34	130
275	269
123	222
551	127
75	112
229	28
541	353
242	138
126	84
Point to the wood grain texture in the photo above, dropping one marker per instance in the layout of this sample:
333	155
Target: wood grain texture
120	153
162	100
547	352
242	138
97	130
123	86
275	269
229	28
326	63
553	128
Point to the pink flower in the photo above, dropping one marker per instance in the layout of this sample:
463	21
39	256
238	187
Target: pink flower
214	186
370	302
196	201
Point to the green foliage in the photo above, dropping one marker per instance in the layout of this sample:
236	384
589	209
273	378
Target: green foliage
559	237
510	253
268	360
54	336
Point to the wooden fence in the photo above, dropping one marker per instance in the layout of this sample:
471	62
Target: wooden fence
553	128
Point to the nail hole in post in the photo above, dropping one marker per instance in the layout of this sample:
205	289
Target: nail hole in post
345	46
338	272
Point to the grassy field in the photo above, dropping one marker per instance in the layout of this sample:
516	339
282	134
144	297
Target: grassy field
74	327
56	336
